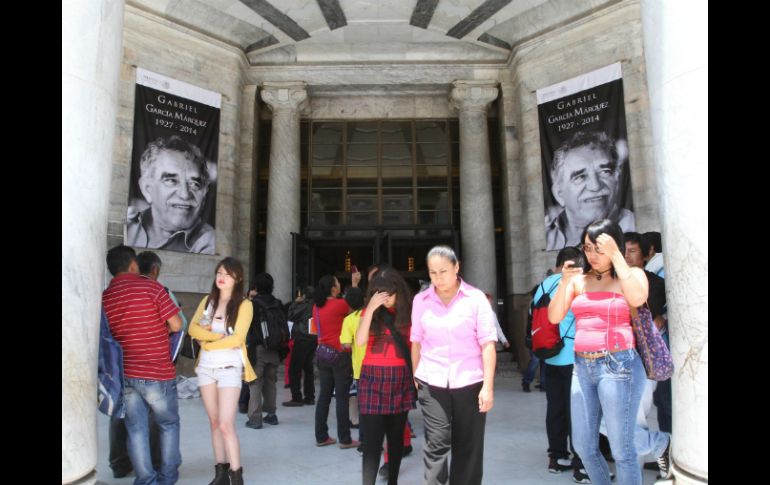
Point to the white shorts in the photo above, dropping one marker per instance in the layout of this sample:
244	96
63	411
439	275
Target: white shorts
224	377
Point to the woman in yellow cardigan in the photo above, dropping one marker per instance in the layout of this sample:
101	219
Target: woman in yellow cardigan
220	323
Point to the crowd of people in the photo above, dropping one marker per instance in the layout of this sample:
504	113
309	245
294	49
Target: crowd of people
395	349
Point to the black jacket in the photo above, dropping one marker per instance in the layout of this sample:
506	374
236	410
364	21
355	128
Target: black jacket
254	337
299	313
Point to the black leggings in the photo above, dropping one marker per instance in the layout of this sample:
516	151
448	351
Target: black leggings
375	427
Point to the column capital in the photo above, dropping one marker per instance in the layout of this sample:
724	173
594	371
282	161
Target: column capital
285	96
473	95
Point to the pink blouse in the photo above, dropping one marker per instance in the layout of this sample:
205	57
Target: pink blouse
451	336
602	322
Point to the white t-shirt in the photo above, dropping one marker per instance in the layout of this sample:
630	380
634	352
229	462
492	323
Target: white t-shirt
217	359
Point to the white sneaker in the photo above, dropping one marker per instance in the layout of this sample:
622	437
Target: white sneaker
559	465
664	463
580	476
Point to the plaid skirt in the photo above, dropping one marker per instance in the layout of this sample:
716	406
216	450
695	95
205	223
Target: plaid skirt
385	390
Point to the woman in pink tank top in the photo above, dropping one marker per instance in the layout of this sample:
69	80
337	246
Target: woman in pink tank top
609	378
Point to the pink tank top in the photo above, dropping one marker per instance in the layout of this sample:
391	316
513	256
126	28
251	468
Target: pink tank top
602	322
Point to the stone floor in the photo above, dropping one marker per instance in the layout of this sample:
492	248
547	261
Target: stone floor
515	444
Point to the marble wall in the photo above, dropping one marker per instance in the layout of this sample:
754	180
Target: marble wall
89	104
676	47
610	35
410	91
174	51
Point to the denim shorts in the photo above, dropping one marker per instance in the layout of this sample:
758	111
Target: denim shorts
223	376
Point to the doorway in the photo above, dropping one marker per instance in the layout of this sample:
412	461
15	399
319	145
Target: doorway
404	249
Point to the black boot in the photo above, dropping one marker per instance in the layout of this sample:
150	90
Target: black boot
220	474
236	476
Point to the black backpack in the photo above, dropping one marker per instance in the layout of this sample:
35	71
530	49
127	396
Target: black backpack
300	313
270	323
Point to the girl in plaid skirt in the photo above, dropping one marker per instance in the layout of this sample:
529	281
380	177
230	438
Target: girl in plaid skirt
386	387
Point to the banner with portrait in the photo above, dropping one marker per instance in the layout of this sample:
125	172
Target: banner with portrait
172	189
584	150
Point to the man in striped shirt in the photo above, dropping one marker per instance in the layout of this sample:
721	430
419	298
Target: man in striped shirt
141	314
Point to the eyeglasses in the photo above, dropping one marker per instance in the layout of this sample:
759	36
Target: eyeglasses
590	249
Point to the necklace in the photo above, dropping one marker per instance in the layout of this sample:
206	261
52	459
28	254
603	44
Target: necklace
599	274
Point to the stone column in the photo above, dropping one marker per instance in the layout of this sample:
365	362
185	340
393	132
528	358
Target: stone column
471	99
246	180
91	52
676	51
286	100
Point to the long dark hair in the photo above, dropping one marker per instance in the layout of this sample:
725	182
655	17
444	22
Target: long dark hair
594	230
391	282
235	269
323	290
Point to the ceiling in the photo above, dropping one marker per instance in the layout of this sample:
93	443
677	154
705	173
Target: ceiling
363	31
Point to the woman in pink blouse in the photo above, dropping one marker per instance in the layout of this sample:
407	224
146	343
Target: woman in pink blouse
453	354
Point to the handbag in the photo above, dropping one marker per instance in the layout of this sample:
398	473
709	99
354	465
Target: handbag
190	347
650	345
325	353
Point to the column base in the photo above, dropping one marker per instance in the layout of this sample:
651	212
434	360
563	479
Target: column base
89	479
683	477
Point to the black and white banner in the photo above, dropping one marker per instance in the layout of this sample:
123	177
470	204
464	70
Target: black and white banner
172	191
584	154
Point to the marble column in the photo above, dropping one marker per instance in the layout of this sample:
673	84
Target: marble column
91	52
471	99
676	51
246	198
286	100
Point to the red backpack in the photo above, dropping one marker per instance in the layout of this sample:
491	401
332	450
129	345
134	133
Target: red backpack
546	341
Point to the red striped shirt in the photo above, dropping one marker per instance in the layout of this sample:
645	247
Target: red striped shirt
137	309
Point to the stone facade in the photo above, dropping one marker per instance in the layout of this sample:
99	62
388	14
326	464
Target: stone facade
383	92
612	35
171	50
375	77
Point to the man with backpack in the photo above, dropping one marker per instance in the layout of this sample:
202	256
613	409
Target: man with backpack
305	343
557	348
266	342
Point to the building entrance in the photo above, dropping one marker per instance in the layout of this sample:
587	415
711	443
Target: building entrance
338	250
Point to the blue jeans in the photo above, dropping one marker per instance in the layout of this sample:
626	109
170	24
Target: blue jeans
652	443
611	386
141	396
529	374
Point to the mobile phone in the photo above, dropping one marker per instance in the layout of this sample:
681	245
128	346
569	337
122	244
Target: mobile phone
579	262
353	269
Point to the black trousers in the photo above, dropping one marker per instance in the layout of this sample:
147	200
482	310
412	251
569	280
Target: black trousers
452	423
661	397
558	424
338	378
302	361
376	427
119	460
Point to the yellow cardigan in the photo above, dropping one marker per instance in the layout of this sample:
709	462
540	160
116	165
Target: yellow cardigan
212	341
